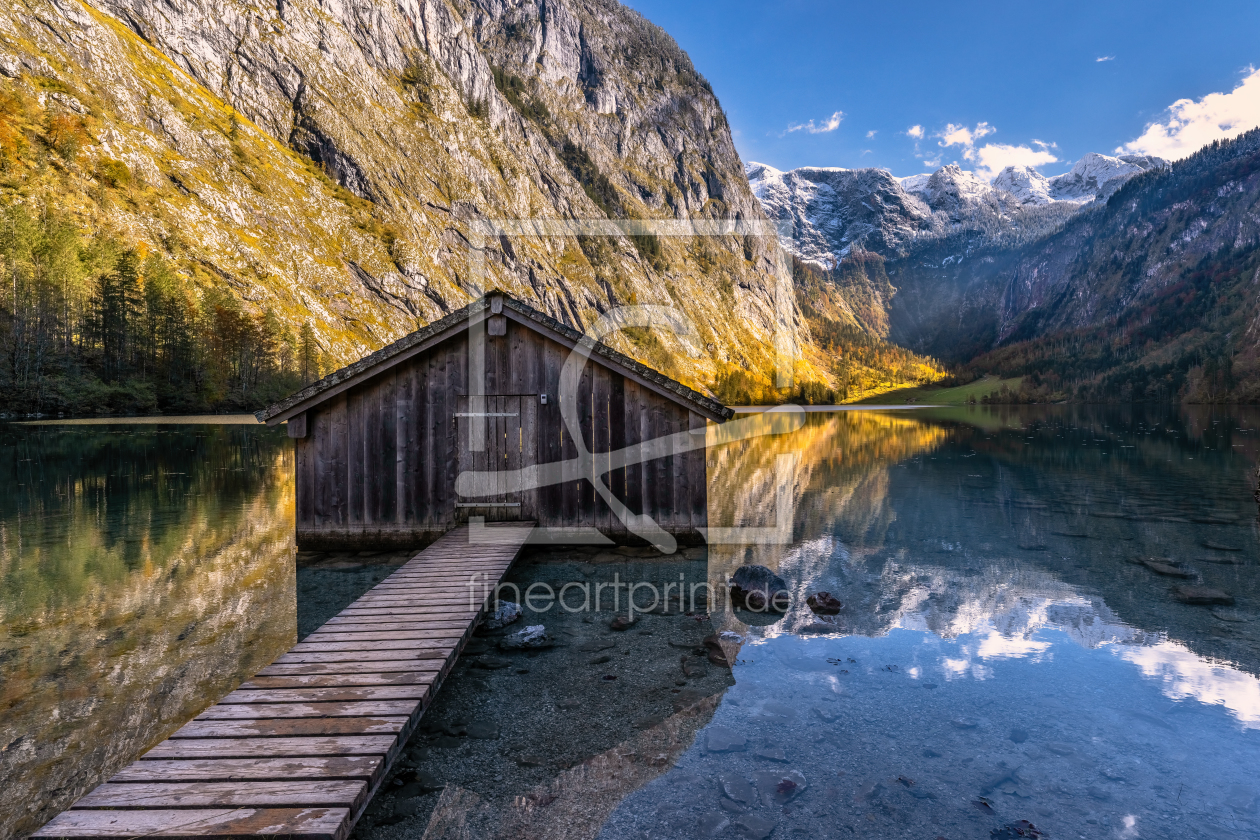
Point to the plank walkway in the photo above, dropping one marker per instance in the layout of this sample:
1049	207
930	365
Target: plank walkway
299	750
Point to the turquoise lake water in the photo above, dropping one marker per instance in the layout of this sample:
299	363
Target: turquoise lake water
1011	647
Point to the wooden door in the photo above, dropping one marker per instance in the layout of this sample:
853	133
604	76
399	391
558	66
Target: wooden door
502	430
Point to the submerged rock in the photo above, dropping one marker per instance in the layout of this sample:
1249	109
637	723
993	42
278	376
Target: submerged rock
713	649
1165	568
724	739
754	827
824	603
532	637
507	613
757	589
1204	596
712	825
491	663
780	788
738	788
621	623
1022	828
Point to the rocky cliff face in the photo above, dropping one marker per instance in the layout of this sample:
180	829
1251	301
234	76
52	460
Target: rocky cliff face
831	209
331	161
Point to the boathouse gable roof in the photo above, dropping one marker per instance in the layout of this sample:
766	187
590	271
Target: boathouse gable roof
445	327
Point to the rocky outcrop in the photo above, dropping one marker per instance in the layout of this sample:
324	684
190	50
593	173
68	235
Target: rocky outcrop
334	159
832	209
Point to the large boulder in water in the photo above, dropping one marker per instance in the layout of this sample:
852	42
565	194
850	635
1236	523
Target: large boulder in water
757	589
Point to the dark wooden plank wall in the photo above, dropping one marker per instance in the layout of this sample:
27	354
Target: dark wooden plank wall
379	462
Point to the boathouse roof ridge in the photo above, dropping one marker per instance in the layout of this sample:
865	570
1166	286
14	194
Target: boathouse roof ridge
430	334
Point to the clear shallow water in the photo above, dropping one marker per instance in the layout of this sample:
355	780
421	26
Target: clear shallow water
1000	656
144	571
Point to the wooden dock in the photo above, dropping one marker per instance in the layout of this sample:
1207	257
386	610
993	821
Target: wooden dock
299	750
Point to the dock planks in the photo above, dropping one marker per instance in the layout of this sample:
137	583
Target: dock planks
298	750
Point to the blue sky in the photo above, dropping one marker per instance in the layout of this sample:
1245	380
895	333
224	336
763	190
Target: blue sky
991	79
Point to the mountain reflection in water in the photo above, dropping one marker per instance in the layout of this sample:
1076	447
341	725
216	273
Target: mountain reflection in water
1002	655
1011	646
144	572
1003	659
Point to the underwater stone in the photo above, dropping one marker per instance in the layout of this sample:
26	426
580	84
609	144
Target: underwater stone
508	612
534	636
1204	596
824	603
724	739
758	589
738	788
755	827
780	788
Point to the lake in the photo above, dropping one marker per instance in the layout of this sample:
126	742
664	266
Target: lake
1014	647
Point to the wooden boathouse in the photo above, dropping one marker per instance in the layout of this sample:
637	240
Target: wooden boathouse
382	442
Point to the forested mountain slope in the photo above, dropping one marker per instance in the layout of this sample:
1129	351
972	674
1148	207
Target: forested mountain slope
207	202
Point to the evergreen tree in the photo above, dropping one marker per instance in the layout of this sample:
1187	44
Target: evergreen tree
308	355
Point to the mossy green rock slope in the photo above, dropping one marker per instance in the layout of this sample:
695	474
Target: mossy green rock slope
331	161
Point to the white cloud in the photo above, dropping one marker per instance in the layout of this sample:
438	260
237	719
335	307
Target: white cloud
1044	145
960	135
1105	58
832	123
915	131
992	158
1190	125
871	133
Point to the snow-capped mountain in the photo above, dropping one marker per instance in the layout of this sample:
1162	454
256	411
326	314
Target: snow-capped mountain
834	208
1094	177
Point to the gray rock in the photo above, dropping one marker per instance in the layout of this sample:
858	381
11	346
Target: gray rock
738	788
719	738
595	645
491	663
711	825
530	638
1204	596
758	589
779	788
507	613
754	826
771	754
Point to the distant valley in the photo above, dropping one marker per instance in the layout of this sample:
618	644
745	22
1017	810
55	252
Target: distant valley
1124	279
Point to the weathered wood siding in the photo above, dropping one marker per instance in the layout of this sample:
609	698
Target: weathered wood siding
378	464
